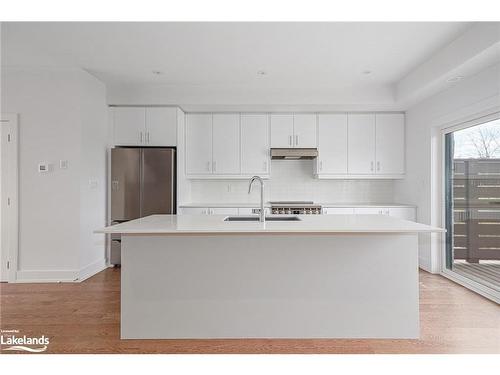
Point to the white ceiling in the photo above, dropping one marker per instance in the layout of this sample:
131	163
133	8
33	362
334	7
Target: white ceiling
295	56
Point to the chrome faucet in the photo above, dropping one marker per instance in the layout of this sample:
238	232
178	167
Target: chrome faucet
262	212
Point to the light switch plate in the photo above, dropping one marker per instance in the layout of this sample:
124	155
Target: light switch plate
44	167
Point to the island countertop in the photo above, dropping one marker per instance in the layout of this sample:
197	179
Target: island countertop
215	224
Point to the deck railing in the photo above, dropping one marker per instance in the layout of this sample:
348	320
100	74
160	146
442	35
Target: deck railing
476	206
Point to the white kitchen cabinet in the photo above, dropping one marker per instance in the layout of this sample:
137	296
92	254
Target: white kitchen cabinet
282	130
161	126
338	210
390	143
304	130
223	211
198	144
194	211
209	211
332	147
404	213
371	210
246	211
226	143
255	144
361	144
129	126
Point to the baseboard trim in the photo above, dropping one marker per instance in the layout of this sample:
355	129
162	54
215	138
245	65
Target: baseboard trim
91	269
424	264
46	276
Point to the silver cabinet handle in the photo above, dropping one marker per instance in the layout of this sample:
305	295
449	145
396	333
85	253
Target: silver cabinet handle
214	166
147	134
140	137
371	166
321	165
296	140
378	166
290	140
208	166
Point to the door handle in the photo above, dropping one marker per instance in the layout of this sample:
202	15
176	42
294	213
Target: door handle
290	140
147	135
140	137
214	166
378	166
296	140
208	166
371	166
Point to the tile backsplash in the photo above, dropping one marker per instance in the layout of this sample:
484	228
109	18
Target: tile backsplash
293	180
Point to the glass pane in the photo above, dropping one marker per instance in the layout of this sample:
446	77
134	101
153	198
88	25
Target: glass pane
473	203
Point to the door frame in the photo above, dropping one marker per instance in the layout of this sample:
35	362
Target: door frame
10	189
479	288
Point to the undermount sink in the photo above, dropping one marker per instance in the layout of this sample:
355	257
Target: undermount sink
256	218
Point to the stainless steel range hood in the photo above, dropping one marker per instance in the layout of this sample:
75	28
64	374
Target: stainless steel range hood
294	153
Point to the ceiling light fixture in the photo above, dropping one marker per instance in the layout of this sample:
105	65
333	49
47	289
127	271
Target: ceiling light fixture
261	72
454	79
366	72
156	72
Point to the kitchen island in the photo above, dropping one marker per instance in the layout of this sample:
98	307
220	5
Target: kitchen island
324	276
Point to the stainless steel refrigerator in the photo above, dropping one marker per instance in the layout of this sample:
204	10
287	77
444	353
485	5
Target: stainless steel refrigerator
143	183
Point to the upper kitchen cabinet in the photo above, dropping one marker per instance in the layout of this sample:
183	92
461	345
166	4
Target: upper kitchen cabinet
198	144
254	144
293	130
361	144
144	126
304	131
161	126
332	144
376	145
282	130
390	143
129	125
226	143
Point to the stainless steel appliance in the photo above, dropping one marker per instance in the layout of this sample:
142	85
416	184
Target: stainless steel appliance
294	153
143	183
295	208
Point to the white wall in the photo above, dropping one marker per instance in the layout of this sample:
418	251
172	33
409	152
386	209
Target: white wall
293	180
62	116
473	96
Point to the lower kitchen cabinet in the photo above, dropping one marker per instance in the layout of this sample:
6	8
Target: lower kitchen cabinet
338	211
208	211
404	213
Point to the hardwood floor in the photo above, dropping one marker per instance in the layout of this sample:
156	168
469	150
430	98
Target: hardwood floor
84	318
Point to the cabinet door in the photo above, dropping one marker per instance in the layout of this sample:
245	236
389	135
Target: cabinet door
332	131
338	210
223	211
129	126
305	131
161	126
226	144
281	130
405	213
371	211
361	143
390	143
254	144
198	144
194	211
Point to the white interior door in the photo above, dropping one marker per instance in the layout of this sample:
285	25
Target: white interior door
390	143
198	144
226	143
304	130
361	143
332	131
129	126
254	144
161	126
9	215
282	130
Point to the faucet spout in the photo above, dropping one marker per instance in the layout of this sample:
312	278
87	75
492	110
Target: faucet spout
262	212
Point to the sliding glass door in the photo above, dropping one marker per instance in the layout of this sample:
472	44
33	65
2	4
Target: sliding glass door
472	192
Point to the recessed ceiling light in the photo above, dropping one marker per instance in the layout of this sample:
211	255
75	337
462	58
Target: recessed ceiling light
366	72
156	72
454	79
261	72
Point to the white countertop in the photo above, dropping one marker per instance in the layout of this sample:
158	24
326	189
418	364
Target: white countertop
215	224
266	204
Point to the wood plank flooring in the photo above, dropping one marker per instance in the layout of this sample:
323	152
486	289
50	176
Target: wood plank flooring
84	318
